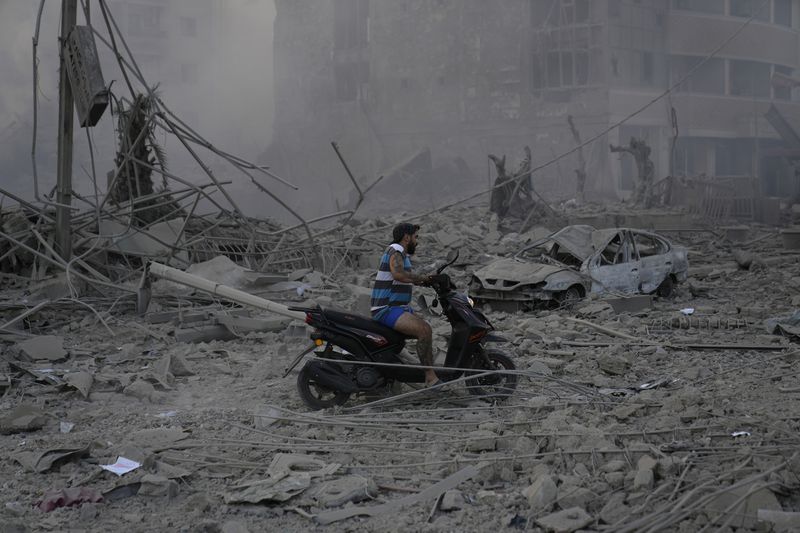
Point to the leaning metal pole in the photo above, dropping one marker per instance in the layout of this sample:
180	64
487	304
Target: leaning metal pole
69	15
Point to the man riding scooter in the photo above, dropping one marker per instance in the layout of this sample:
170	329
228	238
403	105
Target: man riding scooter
391	295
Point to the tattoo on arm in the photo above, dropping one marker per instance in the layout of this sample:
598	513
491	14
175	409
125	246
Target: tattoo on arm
400	274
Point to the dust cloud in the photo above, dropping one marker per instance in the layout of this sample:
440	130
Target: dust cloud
211	61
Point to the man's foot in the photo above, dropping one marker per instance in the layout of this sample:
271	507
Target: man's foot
437	383
431	378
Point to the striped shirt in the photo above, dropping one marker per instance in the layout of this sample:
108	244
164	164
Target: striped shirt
387	291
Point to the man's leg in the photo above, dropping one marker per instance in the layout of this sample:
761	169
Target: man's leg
416	327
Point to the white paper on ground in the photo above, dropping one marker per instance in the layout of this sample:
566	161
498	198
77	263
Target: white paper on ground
122	466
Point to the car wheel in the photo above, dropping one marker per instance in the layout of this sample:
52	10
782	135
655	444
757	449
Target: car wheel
570	296
666	288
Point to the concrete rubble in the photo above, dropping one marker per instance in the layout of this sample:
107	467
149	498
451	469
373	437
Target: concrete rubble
634	417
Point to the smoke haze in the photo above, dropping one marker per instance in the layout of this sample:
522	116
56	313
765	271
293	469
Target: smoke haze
211	60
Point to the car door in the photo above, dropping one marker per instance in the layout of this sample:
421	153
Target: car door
654	258
616	267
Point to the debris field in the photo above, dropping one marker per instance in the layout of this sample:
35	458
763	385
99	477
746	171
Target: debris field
674	413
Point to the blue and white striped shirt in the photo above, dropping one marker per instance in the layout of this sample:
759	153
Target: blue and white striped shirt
387	291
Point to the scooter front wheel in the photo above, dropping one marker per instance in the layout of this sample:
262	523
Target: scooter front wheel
317	396
493	386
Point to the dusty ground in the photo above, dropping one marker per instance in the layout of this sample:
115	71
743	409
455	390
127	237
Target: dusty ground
714	439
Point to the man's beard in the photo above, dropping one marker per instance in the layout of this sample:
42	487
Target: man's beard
412	247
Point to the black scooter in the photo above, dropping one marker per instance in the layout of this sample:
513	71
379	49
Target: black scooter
353	340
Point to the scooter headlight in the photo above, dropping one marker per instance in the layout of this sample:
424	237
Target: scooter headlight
471	301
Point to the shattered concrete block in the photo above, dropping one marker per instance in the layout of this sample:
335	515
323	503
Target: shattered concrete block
158	486
581	470
542	493
487	496
780	520
540	368
482	441
565	521
615	465
347	489
140	389
614	509
644	480
646	463
43	348
452	500
614	479
572	496
23	418
745	512
613	364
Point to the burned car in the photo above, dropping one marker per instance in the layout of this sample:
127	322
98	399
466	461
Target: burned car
577	260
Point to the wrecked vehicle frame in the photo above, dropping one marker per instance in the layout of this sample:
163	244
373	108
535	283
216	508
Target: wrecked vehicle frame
577	260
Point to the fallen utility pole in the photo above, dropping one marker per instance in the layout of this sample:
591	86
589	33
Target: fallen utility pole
69	16
223	291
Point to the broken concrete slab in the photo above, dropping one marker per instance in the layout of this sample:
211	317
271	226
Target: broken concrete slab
142	390
644	480
566	521
145	243
613	364
738	508
482	441
452	500
43	348
346	489
81	381
541	494
43	461
23	418
779	520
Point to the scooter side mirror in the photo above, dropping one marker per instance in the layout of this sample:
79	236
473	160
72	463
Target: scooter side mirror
452	255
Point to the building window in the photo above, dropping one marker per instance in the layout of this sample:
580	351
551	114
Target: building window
709	78
714	7
782	92
557	69
562	43
751	8
782	12
188	26
559	13
750	78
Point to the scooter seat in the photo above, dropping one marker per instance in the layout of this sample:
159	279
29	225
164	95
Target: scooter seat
367	324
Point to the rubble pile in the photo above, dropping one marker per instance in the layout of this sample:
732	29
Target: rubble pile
675	413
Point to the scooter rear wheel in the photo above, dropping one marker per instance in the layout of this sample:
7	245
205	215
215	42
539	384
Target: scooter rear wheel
315	395
493	386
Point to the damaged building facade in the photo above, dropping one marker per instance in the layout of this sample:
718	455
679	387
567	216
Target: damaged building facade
389	78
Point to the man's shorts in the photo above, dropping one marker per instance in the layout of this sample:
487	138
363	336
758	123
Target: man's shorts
388	315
